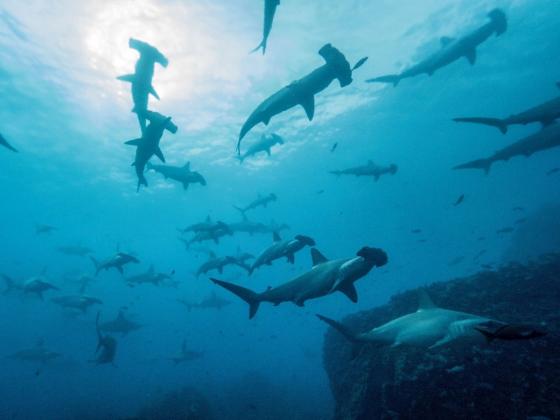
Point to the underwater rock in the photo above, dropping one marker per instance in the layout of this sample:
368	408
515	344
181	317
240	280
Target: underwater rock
500	380
539	234
186	404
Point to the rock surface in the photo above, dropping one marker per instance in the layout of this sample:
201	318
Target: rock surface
500	380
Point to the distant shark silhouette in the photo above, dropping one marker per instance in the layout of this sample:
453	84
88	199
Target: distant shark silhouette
280	249
106	346
182	174
148	145
119	325
546	114
4	142
186	355
141	79
547	138
265	143
452	50
369	169
269	11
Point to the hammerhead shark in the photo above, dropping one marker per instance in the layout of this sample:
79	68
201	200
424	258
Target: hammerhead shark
210	302
452	50
265	143
280	249
547	138
75	250
369	169
186	355
207	226
546	113
106	346
250	227
119	325
141	79
148	145
79	302
269	11
302	92
182	174
37	353
118	261
326	277
4	142
149	276
430	326
260	201
215	263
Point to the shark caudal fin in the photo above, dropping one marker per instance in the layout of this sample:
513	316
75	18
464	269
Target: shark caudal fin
262	46
96	264
247	295
342	329
483	164
494	122
391	78
10	284
499	19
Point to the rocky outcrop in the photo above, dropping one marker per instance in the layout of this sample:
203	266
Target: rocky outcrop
186	404
500	380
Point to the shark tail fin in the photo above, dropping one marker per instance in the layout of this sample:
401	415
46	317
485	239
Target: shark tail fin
494	122
483	164
391	78
342	329
252	298
10	285
499	19
242	211
262	46
141	181
96	264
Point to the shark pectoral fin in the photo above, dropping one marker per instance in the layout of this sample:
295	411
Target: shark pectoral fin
127	78
135	142
446	339
268	153
376	177
120	269
276	237
309	105
159	154
291	258
471	56
185	185
299	302
350	291
154	93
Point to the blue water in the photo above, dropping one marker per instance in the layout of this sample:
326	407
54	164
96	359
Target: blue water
63	108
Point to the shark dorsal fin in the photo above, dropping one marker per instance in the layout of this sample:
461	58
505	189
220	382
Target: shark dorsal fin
187	166
317	258
425	301
276	237
445	41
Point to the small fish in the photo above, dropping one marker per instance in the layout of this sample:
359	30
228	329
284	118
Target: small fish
416	231
459	200
334	146
553	171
